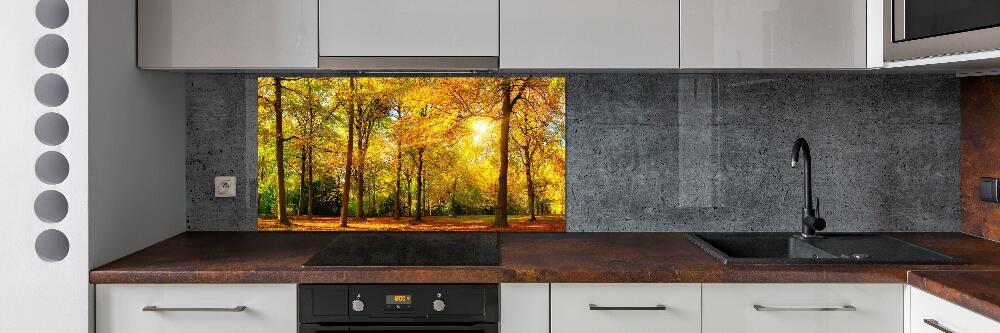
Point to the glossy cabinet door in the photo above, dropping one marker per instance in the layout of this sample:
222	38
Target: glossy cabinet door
410	28
524	308
626	307
930	314
227	34
196	308
774	34
803	308
589	34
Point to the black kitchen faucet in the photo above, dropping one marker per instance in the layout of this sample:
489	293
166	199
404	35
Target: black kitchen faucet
811	223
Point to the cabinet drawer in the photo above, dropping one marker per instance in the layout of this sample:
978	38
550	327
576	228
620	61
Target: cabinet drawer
948	316
268	308
803	308
636	308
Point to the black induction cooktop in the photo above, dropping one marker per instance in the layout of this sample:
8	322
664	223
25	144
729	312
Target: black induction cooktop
409	249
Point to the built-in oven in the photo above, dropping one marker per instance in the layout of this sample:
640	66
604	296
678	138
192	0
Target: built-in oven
413	308
916	29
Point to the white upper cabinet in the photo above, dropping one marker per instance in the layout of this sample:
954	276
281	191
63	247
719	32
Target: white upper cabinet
409	28
199	34
776	34
589	34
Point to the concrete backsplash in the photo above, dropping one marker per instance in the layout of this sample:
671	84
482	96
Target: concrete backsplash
683	152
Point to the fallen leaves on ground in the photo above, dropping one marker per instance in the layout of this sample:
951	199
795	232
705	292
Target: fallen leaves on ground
482	223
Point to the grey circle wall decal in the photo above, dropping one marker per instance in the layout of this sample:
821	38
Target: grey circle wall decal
51	51
52	13
51	129
52	167
52	245
51	90
51	206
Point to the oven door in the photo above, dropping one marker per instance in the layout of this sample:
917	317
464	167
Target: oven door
474	328
916	29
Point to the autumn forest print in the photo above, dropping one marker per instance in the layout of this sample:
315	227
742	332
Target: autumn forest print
411	153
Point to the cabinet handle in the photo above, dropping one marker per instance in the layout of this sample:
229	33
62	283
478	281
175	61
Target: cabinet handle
154	308
759	307
935	324
595	307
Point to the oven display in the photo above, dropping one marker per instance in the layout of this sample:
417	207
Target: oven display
398	299
398	303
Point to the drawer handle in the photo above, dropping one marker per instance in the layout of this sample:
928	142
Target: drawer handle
154	308
759	307
595	307
935	324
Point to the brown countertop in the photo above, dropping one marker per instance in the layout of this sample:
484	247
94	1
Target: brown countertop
274	257
978	291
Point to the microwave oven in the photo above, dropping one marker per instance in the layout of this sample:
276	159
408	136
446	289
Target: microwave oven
917	29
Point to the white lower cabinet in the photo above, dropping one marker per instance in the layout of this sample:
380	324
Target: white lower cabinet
196	308
634	308
803	308
930	314
524	307
570	308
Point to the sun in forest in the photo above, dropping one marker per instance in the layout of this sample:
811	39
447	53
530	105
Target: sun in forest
481	128
411	154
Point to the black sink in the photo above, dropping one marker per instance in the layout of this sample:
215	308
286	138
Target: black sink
837	248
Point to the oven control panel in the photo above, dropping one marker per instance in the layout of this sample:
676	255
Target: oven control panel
399	303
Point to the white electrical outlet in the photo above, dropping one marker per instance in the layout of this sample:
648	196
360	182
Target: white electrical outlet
225	186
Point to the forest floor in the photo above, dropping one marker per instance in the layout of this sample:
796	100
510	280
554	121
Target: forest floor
517	223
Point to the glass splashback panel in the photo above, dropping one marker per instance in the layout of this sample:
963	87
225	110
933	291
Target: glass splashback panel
411	153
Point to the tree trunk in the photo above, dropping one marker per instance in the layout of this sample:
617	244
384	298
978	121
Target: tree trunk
409	195
309	188
451	195
420	184
530	183
302	182
399	170
500	220
279	153
346	201
361	191
309	158
361	176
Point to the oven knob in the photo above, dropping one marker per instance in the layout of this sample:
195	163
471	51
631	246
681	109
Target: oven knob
438	305
358	305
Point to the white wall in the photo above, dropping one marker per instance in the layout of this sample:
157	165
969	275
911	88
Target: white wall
126	128
137	185
40	295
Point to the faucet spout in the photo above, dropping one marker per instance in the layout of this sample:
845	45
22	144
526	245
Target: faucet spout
810	222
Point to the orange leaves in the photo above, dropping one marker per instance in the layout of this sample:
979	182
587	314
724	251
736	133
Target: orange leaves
481	223
447	129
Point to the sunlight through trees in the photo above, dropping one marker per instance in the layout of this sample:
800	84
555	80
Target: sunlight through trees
411	153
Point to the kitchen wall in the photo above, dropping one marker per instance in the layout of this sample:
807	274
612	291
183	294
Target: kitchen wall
980	153
683	152
136	142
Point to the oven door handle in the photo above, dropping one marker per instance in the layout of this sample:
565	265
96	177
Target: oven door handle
486	328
